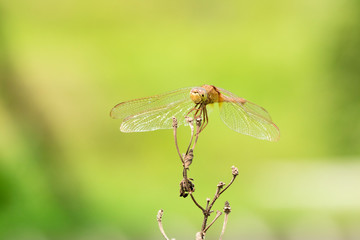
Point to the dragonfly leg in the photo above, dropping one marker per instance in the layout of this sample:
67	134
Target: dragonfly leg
205	119
193	109
196	115
198	111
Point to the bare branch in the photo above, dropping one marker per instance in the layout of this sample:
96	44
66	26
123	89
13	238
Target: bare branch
188	159
235	172
159	218
186	185
190	121
207	203
217	194
227	210
175	125
218	214
219	191
196	203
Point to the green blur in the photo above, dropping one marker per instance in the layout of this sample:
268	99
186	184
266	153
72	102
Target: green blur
67	172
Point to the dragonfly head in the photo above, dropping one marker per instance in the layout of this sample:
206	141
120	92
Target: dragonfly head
198	95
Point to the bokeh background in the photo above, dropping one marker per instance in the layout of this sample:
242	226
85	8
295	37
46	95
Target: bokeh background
67	172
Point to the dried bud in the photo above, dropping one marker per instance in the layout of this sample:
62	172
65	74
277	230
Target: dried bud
221	185
186	187
189	120
200	236
175	122
235	171
227	208
188	159
198	122
183	192
160	214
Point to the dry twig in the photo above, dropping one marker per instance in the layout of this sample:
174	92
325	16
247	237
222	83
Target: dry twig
159	219
187	187
227	210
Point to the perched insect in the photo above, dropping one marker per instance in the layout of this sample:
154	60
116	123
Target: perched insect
156	112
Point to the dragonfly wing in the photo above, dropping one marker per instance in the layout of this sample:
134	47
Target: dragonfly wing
247	118
152	113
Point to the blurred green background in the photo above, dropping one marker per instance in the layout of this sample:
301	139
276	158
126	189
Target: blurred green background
67	172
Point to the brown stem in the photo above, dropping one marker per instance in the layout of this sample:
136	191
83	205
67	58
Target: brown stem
224	226
190	121
198	124
159	218
219	191
227	210
185	173
207	202
231	182
196	203
175	125
218	214
217	195
186	184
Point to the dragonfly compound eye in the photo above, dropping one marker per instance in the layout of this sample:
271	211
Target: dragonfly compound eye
197	95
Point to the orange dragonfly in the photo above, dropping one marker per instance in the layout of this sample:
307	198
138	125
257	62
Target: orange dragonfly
156	112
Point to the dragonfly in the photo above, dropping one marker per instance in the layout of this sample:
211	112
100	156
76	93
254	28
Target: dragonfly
157	112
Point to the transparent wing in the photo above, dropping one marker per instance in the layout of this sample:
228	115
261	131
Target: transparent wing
155	112
246	117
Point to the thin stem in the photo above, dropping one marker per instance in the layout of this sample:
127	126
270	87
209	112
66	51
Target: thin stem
175	136
207	203
227	210
159	217
232	180
217	195
185	173
218	214
190	121
219	191
196	203
186	185
224	226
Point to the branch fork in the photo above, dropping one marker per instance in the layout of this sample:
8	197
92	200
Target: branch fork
187	186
